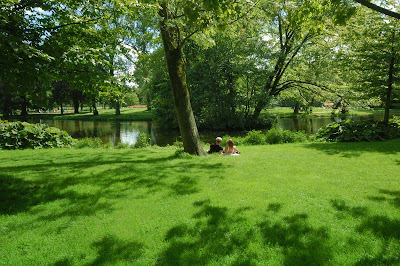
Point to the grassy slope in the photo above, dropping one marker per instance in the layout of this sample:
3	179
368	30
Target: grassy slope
292	204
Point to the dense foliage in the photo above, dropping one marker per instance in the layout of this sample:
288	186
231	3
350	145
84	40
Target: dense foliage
22	135
225	61
350	131
274	136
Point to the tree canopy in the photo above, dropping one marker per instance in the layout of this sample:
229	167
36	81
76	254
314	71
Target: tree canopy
207	64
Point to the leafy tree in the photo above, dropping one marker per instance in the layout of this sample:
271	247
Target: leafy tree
291	29
375	56
180	21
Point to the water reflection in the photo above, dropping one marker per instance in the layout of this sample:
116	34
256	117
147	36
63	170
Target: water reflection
128	132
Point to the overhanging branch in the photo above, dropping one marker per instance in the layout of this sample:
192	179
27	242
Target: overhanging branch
378	8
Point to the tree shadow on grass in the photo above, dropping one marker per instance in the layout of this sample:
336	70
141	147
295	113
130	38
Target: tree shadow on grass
225	236
355	149
218	235
390	196
85	187
301	244
385	229
111	250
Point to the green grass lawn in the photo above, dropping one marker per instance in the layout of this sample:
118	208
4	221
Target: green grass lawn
322	112
290	204
127	114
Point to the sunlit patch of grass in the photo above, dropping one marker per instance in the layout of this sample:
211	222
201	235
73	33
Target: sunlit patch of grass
289	204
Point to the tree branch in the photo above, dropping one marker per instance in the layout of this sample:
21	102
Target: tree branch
378	8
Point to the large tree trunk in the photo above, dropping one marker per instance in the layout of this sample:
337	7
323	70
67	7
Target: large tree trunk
177	75
95	112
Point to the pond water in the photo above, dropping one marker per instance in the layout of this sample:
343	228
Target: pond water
128	132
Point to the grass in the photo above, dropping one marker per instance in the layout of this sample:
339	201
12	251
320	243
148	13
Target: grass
127	114
324	112
288	204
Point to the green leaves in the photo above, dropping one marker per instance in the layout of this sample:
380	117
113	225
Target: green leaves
350	131
22	135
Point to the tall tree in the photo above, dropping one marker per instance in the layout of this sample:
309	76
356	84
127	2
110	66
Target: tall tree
373	52
179	21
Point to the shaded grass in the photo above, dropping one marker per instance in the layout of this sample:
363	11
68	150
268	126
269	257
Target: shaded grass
289	204
127	114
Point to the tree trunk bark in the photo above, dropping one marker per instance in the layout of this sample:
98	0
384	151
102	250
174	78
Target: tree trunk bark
24	111
76	106
148	101
117	108
388	101
177	75
95	112
296	108
6	106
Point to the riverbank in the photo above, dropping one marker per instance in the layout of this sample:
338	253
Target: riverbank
142	114
287	112
289	204
127	114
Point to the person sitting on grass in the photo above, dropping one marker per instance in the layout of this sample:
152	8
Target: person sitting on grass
230	148
216	148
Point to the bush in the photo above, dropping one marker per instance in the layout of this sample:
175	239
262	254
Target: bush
277	135
350	131
181	154
236	140
89	143
122	146
143	140
22	135
395	120
254	137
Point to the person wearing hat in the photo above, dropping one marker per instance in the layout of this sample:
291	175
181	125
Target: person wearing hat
217	148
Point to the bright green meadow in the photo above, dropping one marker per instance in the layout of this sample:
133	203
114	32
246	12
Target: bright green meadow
285	204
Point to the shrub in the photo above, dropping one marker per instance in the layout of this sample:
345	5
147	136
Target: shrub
122	146
254	137
350	131
181	154
278	135
89	143
236	140
143	140
395	120
23	135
